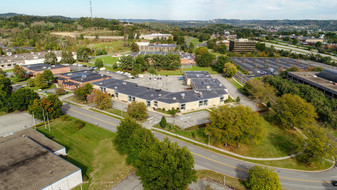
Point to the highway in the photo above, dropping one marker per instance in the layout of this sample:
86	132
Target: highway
297	50
290	179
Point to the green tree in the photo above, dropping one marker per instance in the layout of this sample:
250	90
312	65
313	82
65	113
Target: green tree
295	41
318	44
134	47
203	57
83	54
238	99
60	91
5	93
220	63
319	145
67	57
19	72
234	125
191	48
30	82
230	69
46	107
99	63
82	92
50	59
260	91
137	110
165	165
2	72
40	81
22	98
162	122
293	111
124	132
48	75
260	178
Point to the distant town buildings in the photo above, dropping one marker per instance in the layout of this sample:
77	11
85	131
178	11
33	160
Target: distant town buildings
147	46
10	60
29	160
242	46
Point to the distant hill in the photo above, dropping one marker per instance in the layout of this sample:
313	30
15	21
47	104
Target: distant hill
9	14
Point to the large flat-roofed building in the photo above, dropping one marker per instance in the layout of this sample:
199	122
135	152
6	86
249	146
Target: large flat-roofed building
73	80
9	61
324	81
204	95
147	46
26	163
35	69
242	46
155	35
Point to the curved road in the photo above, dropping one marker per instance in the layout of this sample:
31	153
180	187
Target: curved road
290	179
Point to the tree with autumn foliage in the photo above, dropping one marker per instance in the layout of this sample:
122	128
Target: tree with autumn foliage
47	106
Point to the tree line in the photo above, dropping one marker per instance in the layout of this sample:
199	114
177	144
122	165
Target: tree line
159	164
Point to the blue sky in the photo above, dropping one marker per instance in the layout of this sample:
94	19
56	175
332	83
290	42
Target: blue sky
178	9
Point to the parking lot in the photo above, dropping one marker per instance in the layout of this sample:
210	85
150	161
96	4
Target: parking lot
167	83
265	66
16	121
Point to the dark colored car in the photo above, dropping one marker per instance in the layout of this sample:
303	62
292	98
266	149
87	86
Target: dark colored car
334	182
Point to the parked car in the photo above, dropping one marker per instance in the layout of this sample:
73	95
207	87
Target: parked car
334	182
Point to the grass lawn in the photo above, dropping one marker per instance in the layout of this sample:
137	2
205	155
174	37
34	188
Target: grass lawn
195	42
91	149
116	112
218	177
74	99
107	60
2	113
36	88
180	71
236	84
9	70
111	47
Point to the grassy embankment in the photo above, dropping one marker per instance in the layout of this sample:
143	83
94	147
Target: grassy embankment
91	149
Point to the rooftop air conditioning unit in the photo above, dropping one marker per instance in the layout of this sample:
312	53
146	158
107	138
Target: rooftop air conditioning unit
44	67
159	94
182	95
124	83
101	83
174	98
116	87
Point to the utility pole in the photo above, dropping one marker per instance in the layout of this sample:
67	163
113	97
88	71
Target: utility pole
34	120
48	121
44	119
90	9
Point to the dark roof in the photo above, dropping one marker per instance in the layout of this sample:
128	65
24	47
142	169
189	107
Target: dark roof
197	74
27	165
328	74
82	76
133	89
37	137
42	66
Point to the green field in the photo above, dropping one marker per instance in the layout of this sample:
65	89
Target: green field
91	149
107	60
111	47
180	71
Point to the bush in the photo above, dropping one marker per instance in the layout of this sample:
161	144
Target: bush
137	110
193	134
60	91
78	125
30	82
65	118
162	122
238	99
99	63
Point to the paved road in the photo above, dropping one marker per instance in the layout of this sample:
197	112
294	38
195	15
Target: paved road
277	46
237	168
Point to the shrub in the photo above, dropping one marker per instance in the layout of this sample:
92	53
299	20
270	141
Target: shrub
162	122
78	125
193	134
238	99
65	118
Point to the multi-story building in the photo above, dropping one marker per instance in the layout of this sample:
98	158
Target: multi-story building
147	46
242	46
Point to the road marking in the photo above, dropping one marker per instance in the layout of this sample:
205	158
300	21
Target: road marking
247	170
93	117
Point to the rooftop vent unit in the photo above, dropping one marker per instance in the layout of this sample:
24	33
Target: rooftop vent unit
116	87
101	83
159	94
53	66
49	67
124	83
220	84
44	67
85	71
314	76
198	75
200	94
182	95
174	98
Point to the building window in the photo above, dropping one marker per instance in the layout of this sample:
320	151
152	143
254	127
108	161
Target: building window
133	99
116	95
129	98
155	103
222	99
205	102
103	89
182	106
148	103
201	103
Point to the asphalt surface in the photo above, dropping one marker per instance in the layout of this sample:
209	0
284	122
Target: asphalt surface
290	179
297	50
